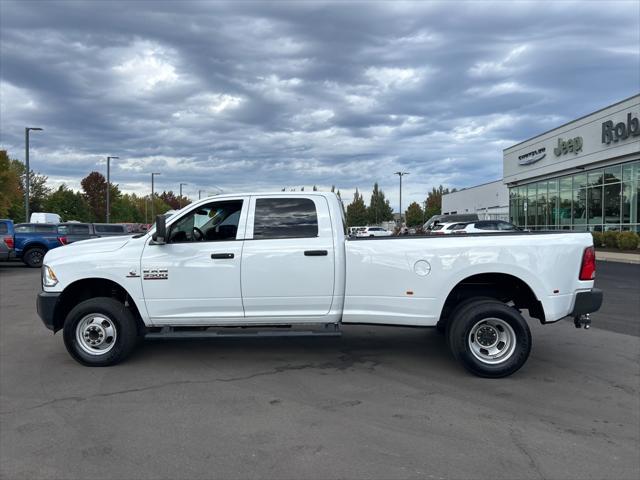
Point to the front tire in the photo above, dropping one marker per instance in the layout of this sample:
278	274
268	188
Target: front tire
100	332
34	256
489	338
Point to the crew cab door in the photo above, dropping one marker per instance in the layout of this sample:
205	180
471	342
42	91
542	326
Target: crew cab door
194	279
288	258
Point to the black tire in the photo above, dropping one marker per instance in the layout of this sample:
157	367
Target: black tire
119	319
442	326
498	320
34	256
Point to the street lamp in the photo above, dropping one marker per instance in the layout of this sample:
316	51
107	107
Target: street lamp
401	174
153	196
109	183
199	194
180	199
26	161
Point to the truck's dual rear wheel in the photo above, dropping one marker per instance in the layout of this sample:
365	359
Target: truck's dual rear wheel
100	332
490	338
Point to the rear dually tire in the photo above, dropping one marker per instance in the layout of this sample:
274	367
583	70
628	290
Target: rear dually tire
490	339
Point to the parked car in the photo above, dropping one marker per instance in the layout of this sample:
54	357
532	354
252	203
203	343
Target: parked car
443	228
484	226
7	251
44	217
452	218
374	232
33	240
76	231
264	261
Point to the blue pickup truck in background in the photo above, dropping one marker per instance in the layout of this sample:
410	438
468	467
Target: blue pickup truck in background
33	240
30	242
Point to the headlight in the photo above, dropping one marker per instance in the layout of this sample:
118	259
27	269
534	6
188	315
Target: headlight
49	278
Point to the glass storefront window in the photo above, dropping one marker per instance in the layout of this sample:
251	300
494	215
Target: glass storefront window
566	183
613	174
595	177
594	205
607	198
579	206
565	208
612	203
579	180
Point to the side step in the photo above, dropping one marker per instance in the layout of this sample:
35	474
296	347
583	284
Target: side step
166	333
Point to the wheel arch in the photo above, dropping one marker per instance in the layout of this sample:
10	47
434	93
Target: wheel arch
87	288
504	287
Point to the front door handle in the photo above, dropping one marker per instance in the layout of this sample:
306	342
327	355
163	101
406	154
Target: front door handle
315	253
221	256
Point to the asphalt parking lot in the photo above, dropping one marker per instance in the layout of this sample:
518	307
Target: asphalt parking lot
376	403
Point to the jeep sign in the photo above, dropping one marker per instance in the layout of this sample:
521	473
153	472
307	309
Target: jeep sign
565	146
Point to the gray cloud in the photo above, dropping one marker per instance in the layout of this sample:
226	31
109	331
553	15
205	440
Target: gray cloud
267	95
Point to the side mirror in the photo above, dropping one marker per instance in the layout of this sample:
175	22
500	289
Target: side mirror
159	237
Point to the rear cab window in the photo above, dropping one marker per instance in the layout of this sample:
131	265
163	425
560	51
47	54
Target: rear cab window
295	217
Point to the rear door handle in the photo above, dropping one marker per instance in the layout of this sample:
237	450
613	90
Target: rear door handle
221	256
315	253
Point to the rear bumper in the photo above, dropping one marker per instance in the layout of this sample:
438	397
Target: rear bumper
587	302
46	305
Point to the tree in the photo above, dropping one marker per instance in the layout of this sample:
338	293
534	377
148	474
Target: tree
94	187
315	189
11	194
379	209
434	200
170	199
414	216
356	211
68	204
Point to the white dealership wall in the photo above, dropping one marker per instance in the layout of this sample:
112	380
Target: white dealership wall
546	161
489	200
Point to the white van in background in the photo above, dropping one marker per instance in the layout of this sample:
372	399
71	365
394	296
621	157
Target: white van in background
43	217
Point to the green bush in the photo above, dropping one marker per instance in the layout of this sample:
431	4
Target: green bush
597	239
628	240
610	239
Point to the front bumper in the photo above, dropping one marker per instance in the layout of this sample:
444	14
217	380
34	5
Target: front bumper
587	302
46	305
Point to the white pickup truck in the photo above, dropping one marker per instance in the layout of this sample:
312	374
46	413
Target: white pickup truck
265	263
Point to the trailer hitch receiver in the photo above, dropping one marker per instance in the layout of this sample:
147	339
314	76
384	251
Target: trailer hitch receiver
582	321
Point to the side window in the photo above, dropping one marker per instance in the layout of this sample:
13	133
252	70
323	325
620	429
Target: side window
4	228
505	226
46	228
285	218
80	229
23	229
486	225
214	222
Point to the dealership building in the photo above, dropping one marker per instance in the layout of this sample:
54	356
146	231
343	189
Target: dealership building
583	175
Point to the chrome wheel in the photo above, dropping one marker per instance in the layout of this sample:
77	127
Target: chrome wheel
492	340
96	334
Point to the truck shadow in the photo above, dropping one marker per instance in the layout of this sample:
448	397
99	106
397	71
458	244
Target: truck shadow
363	348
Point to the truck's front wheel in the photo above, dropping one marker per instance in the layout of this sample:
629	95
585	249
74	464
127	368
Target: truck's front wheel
489	338
100	332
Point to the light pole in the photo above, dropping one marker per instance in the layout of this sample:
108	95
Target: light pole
26	161
180	199
401	174
153	196
109	184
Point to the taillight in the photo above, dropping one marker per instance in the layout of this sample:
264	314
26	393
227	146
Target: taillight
588	267
62	240
9	241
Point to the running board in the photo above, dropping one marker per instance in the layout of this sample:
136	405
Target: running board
329	330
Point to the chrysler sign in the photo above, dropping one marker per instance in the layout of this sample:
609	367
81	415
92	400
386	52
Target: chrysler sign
532	157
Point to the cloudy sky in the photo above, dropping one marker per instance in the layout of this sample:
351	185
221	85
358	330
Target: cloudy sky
261	96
